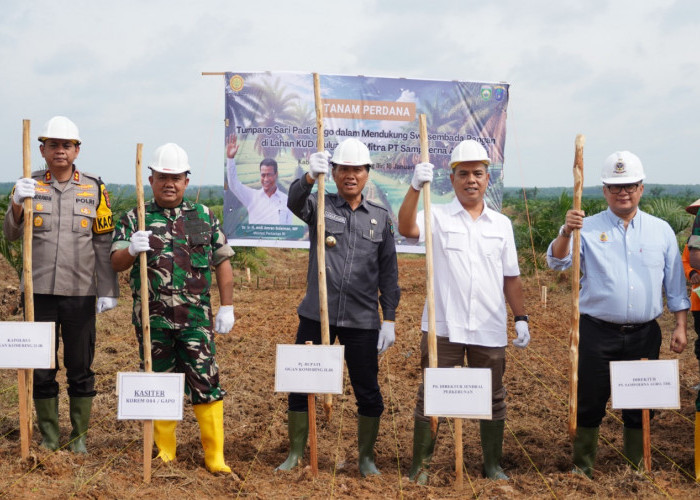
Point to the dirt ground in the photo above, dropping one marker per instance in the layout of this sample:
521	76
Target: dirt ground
537	450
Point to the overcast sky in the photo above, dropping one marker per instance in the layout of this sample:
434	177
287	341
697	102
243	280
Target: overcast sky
625	73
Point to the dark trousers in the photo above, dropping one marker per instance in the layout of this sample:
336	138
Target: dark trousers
598	345
74	319
451	354
361	359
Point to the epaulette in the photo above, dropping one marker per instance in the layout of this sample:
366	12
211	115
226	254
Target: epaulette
378	205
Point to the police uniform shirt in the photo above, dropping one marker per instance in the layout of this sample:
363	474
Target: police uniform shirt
360	259
72	233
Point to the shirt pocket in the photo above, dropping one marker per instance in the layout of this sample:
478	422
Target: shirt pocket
491	246
455	240
43	212
652	255
83	218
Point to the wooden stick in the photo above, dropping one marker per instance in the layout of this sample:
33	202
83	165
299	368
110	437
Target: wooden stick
320	240
575	278
24	377
429	274
459	454
313	443
145	313
646	438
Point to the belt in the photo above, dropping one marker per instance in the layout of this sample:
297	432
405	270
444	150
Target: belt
620	327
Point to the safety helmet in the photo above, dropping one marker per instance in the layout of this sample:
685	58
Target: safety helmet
469	150
170	159
60	127
622	167
351	152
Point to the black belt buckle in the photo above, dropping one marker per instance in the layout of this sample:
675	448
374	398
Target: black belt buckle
628	328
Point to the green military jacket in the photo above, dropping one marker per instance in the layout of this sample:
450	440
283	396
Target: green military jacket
186	242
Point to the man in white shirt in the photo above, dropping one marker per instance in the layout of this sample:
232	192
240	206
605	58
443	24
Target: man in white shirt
267	205
476	273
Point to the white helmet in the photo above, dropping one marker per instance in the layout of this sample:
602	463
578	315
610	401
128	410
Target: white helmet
60	127
170	159
351	152
622	167
469	150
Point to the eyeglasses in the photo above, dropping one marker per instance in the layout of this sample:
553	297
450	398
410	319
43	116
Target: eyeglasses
617	188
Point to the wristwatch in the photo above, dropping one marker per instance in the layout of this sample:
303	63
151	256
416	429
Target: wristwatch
524	318
564	233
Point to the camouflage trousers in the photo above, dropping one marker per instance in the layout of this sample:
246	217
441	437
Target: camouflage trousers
190	351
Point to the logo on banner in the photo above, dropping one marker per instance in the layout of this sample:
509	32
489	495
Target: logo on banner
499	93
236	83
486	92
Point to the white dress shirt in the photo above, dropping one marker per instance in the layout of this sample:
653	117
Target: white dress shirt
470	260
262	209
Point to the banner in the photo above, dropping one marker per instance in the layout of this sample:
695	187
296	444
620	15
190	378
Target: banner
271	132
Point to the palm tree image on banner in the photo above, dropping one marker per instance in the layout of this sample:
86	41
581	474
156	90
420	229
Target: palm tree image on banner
271	132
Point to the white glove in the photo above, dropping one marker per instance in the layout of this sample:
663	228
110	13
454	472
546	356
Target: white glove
24	188
139	243
105	304
386	336
422	173
318	164
224	320
523	331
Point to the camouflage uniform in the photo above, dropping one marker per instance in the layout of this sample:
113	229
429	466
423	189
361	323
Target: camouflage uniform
185	241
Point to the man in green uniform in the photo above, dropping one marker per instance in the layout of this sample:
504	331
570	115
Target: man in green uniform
72	278
183	240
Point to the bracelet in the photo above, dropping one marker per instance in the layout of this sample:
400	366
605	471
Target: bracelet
564	233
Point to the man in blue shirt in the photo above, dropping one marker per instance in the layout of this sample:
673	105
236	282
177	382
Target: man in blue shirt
628	259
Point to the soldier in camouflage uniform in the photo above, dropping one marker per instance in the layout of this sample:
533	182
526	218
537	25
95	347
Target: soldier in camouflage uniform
183	241
72	233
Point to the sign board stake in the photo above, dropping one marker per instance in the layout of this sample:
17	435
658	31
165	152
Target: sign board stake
459	458
313	451
646	437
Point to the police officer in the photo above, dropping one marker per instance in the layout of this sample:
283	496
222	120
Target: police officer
183	240
72	233
361	273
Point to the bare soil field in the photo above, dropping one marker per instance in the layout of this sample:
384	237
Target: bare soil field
537	450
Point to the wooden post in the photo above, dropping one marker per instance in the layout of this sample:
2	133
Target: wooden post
320	239
145	314
313	444
575	278
646	438
459	454
24	377
543	296
429	274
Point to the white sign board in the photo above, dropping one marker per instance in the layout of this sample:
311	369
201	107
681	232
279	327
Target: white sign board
458	392
640	385
310	369
150	396
27	345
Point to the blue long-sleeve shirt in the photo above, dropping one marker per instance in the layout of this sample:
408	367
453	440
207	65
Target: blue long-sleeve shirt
626	272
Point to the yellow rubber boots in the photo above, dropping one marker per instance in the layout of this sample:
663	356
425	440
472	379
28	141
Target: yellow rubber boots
211	427
164	437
